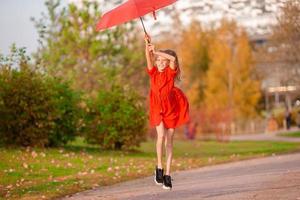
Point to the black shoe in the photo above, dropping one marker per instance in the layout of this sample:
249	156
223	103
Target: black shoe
158	177
167	184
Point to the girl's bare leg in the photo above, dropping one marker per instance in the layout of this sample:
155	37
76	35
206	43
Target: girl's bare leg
169	148
160	129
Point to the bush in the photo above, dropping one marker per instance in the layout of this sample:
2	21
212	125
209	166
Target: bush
280	117
27	110
67	112
35	110
116	119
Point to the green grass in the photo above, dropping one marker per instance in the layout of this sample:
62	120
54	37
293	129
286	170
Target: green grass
49	173
292	134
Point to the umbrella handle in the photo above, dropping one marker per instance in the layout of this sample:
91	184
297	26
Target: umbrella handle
148	38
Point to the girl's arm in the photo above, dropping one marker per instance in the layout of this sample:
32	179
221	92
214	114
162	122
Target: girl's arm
148	52
169	57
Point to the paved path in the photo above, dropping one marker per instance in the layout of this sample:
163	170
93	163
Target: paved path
266	136
263	137
271	178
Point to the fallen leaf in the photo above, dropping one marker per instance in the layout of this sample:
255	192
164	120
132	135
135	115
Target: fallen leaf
9	186
43	154
109	169
34	154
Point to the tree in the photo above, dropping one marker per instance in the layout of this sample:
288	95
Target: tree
286	34
194	45
281	53
71	48
230	78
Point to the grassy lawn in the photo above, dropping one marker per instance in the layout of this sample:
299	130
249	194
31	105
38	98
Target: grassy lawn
48	173
292	134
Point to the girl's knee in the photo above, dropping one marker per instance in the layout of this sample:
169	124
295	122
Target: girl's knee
171	131
160	137
169	145
169	141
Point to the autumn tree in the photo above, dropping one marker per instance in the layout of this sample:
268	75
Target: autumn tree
286	38
194	45
230	78
281	51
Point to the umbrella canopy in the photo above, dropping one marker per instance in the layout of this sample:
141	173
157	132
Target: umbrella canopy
129	10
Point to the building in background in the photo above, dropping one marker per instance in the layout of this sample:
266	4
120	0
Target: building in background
256	16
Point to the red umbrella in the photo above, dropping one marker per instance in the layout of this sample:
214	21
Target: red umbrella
129	10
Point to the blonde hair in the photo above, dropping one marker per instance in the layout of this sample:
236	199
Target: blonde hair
173	53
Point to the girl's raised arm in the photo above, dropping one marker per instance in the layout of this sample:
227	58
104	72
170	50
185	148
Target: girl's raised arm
149	52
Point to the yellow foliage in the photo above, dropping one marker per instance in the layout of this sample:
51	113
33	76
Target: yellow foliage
230	82
193	50
217	68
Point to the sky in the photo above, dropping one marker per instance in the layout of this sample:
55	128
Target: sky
16	26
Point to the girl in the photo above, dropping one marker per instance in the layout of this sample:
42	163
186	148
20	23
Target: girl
168	105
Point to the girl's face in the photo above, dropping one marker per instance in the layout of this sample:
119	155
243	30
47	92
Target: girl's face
161	63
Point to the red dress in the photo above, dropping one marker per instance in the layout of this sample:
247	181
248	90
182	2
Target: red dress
167	102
